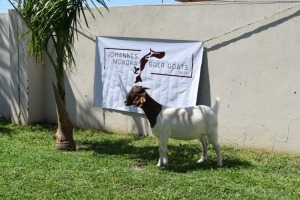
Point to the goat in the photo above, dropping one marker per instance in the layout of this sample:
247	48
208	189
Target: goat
196	122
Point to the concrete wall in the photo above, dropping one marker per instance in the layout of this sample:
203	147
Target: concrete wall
26	77
4	66
251	61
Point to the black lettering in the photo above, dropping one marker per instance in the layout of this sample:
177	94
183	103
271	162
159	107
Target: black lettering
116	54
156	64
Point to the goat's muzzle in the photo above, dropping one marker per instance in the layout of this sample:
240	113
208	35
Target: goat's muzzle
125	102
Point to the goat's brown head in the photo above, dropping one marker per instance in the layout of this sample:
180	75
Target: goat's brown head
136	96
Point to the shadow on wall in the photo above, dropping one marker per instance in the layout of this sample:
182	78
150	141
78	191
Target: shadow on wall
203	96
84	115
4	66
255	31
18	70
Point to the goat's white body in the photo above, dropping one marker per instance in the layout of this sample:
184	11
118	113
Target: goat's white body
184	123
197	122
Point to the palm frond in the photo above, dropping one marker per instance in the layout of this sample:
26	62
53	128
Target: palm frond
55	21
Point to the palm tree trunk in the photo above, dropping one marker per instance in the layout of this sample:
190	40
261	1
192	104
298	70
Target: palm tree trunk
64	134
55	22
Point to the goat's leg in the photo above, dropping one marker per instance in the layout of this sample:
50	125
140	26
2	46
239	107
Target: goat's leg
218	152
219	156
163	148
213	138
204	143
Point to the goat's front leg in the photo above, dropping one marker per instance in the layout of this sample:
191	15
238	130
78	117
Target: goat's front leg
163	149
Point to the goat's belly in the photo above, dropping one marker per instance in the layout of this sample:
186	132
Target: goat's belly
185	134
179	132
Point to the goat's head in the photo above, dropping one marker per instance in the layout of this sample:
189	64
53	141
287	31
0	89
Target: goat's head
136	96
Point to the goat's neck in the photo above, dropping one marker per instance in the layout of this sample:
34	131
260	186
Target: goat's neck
151	109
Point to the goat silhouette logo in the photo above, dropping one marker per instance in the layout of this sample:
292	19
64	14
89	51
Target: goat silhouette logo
143	62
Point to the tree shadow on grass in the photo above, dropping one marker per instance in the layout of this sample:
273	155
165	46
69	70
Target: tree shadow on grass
4	130
182	158
42	127
7	128
143	155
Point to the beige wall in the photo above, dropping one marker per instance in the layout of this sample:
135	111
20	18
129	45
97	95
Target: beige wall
4	67
26	77
251	61
18	71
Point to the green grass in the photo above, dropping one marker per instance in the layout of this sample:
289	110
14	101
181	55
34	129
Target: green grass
116	166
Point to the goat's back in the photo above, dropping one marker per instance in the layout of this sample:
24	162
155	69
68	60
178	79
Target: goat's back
185	123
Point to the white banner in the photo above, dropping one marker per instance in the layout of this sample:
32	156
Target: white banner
170	68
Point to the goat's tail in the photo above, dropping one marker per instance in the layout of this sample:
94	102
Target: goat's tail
216	106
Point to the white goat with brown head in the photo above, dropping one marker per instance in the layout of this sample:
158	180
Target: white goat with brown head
197	122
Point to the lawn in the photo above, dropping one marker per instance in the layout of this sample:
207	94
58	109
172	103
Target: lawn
122	166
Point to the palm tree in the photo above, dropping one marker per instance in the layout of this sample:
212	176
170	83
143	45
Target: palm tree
55	21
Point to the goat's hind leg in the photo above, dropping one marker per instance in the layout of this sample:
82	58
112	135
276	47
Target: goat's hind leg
218	152
204	143
214	141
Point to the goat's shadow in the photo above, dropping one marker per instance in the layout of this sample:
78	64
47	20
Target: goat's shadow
182	158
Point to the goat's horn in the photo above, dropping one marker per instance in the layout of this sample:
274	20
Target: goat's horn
145	88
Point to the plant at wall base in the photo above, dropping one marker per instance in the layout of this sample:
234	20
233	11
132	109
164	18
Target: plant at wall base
55	22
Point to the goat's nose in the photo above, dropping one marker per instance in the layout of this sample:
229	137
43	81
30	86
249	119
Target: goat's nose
125	101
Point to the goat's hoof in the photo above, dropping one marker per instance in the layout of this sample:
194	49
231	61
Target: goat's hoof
161	164
201	161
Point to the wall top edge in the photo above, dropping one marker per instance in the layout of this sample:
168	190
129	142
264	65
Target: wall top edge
212	2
